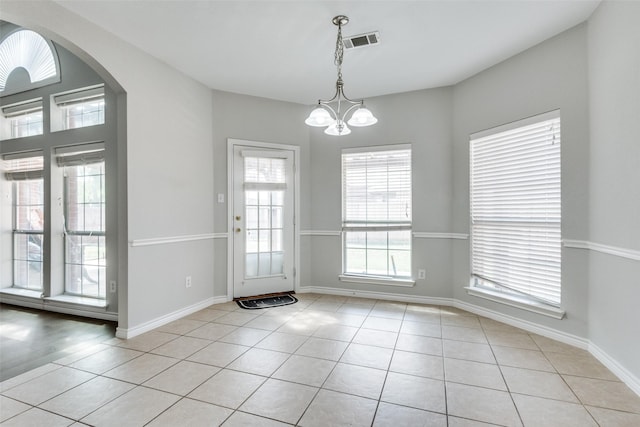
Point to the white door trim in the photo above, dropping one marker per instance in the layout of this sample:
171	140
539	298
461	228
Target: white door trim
231	142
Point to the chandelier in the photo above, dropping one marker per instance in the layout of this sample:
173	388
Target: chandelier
326	115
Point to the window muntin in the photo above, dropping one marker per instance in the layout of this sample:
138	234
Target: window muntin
25	172
376	212
516	208
85	226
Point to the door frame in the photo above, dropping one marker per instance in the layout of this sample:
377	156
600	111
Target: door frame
231	143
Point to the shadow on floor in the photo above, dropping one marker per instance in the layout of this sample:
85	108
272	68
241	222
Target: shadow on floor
31	338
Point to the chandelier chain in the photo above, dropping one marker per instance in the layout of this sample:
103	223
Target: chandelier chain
339	53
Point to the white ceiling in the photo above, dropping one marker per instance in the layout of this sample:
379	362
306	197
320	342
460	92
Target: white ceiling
284	49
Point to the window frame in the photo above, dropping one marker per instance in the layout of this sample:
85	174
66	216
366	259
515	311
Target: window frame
491	285
350	225
82	156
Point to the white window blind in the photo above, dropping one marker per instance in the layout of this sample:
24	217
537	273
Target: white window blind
23	166
80	96
515	208
82	154
376	215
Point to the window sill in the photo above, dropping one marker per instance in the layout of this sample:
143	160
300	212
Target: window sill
21	292
73	299
517	301
407	283
68	299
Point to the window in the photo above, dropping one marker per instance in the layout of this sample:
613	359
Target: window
22	120
24	171
515	208
77	109
376	211
29	51
264	185
85	225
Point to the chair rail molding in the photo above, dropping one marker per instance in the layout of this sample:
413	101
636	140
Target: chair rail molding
175	239
605	249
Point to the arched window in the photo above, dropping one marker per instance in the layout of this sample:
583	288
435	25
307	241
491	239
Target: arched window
28	50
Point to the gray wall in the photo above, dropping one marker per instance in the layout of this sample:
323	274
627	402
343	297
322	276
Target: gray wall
614	90
263	120
422	118
550	76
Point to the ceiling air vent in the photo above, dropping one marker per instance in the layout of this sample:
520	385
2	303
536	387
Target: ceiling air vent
361	40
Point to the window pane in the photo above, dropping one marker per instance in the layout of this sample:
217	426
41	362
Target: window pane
277	198
400	240
252	217
356	261
251	197
265	241
251	265
277	262
400	263
251	241
83	114
276	217
264	264
26	125
356	239
264	198
265	217
276	240
377	263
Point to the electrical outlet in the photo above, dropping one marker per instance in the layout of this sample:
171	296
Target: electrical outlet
112	286
187	282
422	274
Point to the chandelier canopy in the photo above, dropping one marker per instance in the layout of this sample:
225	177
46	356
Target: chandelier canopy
324	115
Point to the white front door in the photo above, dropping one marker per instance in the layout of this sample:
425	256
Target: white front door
263	221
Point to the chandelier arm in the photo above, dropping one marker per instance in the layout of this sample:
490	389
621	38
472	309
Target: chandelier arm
356	105
360	101
335	96
331	110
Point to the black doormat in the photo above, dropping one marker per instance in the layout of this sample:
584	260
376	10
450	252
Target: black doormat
267	301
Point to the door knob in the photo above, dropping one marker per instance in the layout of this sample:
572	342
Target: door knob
237	217
238	230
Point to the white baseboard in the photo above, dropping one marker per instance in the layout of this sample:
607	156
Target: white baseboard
376	295
545	331
127	333
621	372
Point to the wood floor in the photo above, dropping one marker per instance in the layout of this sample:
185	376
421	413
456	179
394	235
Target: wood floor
30	338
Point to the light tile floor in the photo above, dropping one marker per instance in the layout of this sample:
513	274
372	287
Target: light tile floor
325	361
